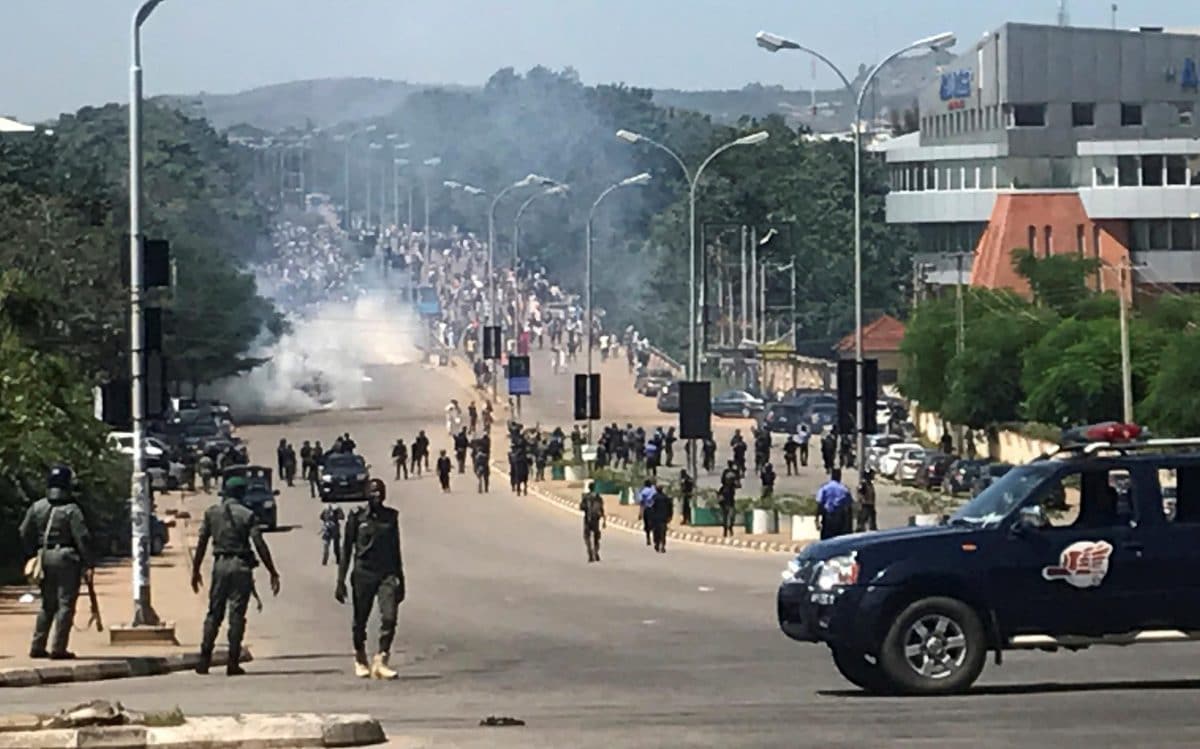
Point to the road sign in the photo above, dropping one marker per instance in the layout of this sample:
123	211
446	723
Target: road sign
695	410
518	375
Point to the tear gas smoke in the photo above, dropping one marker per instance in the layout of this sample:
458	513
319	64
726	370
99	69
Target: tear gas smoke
323	361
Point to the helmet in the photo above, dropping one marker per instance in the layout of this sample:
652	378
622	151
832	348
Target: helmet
235	487
59	477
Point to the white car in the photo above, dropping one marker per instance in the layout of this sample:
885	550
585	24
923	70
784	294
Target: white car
164	474
890	462
910	465
877	446
122	442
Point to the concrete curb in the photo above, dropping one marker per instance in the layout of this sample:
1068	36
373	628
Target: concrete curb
684	536
226	732
123	668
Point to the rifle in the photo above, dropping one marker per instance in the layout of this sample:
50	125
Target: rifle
95	604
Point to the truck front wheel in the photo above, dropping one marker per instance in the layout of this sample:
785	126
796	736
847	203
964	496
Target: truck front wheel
853	665
935	646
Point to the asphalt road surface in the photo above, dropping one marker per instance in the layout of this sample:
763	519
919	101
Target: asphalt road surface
505	617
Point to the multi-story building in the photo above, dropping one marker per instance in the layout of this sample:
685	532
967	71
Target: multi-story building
1059	140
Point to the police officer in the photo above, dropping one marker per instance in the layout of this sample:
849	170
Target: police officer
730	481
331	533
400	458
461	443
54	528
231	527
867	520
443	470
594	519
373	541
482	470
687	489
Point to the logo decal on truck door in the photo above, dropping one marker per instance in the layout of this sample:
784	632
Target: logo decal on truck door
1083	564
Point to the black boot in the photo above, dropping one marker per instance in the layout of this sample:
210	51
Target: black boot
205	662
233	666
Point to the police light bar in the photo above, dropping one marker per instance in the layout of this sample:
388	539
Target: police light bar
1109	431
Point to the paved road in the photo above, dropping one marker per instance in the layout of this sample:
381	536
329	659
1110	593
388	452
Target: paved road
506	618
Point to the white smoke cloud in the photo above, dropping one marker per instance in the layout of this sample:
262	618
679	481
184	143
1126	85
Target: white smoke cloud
332	345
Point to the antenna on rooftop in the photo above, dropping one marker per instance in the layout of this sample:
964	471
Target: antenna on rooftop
1064	15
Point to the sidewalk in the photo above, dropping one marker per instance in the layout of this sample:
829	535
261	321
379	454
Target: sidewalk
97	659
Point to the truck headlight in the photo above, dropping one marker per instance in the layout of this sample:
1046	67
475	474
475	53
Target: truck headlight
837	571
361	477
327	477
792	568
269	504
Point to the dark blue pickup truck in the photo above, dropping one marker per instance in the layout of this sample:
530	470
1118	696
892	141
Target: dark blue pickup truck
1096	544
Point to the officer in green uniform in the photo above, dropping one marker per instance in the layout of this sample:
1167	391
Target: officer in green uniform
373	541
592	507
54	528
231	527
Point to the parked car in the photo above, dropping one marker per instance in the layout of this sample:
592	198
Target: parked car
668	399
933	469
877	446
260	496
736	403
890	462
783	418
820	416
910	464
651	381
961	474
344	478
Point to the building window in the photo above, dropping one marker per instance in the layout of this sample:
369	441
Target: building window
1159	236
1048	249
1083	114
1080	235
1127	171
1131	115
1177	170
1106	167
1183	113
1028	115
1033	239
1181	234
1152	171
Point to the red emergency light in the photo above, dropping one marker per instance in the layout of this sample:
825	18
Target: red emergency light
1108	431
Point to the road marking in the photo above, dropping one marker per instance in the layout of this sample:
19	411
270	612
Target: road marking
704	589
649	621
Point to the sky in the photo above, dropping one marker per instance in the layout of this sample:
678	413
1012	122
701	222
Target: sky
59	55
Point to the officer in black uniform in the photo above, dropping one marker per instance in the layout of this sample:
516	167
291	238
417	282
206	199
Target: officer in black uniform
233	530
373	542
54	528
592	507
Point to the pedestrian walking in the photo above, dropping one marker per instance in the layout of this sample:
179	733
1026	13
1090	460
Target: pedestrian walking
645	502
766	478
400	458
472	416
443	470
461	443
867	520
687	489
372	541
236	536
56	541
331	534
730	481
594	520
834	507
483	471
789	455
803	435
661	513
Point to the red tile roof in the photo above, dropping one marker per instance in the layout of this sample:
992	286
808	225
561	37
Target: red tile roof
882	334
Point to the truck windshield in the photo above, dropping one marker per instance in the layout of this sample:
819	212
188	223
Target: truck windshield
998	500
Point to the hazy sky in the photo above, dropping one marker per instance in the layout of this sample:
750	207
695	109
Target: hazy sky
58	55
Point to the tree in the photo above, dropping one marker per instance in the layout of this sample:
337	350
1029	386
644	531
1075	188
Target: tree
1172	405
928	348
1059	282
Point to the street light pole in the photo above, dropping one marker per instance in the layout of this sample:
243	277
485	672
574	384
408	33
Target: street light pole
139	501
693	181
639	179
430	163
349	138
775	43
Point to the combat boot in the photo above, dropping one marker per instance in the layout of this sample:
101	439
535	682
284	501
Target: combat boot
362	668
380	670
233	667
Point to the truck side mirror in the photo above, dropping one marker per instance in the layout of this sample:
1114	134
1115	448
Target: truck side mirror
276	492
1029	518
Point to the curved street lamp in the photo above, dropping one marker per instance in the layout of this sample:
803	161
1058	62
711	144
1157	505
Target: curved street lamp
693	182
634	181
775	43
556	190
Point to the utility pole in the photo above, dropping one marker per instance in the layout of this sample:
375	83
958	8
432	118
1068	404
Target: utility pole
745	309
762	299
961	337
753	282
1126	369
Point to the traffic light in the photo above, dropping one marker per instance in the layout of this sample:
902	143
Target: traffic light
587	397
491	342
847	387
156	263
695	410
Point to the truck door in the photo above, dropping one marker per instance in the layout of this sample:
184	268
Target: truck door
1171	548
1078	571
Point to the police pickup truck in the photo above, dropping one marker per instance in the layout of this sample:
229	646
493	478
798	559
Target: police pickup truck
1093	544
